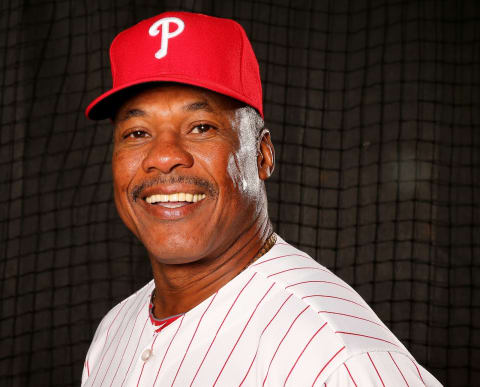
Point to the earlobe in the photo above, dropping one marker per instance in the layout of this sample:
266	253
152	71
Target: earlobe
265	156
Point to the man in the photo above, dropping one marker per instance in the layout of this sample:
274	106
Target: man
231	303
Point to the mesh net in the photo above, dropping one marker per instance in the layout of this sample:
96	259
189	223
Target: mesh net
374	109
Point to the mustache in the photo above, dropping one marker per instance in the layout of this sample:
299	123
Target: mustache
160	180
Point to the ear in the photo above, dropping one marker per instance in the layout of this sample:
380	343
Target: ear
265	155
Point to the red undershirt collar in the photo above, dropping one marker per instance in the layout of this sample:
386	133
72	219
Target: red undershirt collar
160	323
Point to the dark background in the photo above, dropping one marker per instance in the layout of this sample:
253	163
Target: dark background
374	109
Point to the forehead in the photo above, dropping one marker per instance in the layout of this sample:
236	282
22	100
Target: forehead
174	97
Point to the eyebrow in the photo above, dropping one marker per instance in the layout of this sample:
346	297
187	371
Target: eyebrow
132	113
198	105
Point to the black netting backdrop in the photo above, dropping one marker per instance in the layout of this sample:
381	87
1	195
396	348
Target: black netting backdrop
374	109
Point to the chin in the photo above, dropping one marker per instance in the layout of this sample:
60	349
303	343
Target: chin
178	249
173	257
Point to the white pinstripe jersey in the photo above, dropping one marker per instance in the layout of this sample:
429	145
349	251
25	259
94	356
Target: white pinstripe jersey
285	320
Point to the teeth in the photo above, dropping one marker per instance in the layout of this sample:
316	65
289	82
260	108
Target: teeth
175	197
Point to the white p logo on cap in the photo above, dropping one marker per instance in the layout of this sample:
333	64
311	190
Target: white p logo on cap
166	34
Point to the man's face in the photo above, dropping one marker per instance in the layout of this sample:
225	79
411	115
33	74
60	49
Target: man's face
186	180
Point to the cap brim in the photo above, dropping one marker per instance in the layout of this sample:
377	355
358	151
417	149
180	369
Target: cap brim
106	105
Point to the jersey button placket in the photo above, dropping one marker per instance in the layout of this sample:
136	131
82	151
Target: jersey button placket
147	354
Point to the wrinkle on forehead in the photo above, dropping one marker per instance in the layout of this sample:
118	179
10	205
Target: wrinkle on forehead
206	100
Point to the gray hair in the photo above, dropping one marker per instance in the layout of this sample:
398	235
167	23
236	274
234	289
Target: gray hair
249	119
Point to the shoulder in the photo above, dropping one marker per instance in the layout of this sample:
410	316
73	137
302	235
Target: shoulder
323	315
324	326
328	296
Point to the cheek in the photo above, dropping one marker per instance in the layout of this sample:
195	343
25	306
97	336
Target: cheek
124	169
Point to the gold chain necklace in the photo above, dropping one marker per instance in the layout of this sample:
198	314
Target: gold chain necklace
272	239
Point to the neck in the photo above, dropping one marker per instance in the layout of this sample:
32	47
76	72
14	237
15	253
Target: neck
180	287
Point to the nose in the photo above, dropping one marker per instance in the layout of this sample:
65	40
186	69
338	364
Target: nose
166	153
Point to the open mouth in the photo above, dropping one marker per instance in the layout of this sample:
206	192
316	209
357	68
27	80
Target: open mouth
174	200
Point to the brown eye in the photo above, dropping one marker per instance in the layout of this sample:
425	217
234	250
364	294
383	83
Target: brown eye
202	128
135	134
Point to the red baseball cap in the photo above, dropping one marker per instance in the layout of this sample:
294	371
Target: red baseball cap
188	48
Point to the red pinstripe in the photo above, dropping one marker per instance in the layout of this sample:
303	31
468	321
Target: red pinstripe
301	353
398	369
111	342
419	374
264	329
337	298
108	331
327	282
275	315
327	363
115	328
136	348
243	330
368	337
143	365
281	341
124	350
300	268
351	377
351	315
220	327
193	336
378	373
248	371
110	326
281	256
165	355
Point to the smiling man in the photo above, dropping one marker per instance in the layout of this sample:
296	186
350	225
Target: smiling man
230	302
188	186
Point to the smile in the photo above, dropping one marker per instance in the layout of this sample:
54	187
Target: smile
177	199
